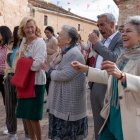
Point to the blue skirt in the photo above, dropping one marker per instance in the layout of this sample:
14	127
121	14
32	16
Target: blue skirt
70	130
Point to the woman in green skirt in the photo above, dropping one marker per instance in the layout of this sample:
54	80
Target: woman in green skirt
32	46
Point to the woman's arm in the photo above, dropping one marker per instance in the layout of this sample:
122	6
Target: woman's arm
97	75
93	74
133	83
39	55
66	72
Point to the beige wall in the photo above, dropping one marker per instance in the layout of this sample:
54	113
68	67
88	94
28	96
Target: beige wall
128	8
12	11
57	21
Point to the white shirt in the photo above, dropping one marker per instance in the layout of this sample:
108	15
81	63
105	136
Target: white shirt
106	44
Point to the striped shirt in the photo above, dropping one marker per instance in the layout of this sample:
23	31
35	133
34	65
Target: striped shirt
3	51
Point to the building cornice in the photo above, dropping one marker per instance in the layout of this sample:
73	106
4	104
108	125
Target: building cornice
45	11
54	9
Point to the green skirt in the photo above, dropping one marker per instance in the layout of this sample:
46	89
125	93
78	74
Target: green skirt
32	108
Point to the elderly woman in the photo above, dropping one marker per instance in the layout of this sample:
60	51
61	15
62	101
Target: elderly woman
122	103
32	46
67	96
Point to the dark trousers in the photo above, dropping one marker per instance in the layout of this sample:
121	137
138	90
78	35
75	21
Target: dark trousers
48	80
97	98
2	88
10	106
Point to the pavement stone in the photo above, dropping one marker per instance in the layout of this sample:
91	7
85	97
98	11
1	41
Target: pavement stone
44	123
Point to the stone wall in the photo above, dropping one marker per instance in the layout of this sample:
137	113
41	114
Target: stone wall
12	11
128	8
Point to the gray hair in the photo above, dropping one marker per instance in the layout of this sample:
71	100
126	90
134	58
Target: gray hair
134	20
72	33
110	17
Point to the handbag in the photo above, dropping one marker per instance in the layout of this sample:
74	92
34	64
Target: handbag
105	111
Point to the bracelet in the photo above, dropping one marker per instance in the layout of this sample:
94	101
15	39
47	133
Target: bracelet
122	76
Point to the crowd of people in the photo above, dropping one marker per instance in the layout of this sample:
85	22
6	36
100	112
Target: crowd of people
61	66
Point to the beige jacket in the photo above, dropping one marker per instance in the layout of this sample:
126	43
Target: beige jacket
52	49
129	98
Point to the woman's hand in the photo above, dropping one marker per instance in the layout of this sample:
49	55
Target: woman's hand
44	66
21	53
79	67
111	69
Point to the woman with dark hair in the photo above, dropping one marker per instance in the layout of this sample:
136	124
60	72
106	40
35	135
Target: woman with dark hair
16	39
33	49
67	96
5	36
52	49
10	95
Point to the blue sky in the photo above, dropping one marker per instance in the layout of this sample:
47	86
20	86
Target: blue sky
88	8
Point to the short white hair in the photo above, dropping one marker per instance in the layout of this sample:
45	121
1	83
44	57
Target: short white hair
134	20
71	32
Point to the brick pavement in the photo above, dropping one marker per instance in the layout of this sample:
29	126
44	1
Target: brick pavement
44	123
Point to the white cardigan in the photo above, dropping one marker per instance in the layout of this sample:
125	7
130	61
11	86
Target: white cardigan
36	50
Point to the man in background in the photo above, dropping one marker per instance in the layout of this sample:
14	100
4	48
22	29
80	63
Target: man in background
52	48
108	49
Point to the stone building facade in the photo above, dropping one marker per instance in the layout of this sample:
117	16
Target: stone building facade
12	11
52	15
127	8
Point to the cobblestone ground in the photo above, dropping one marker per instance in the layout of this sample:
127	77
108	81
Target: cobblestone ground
44	123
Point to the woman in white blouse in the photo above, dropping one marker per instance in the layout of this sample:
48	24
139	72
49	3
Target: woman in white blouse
33	46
